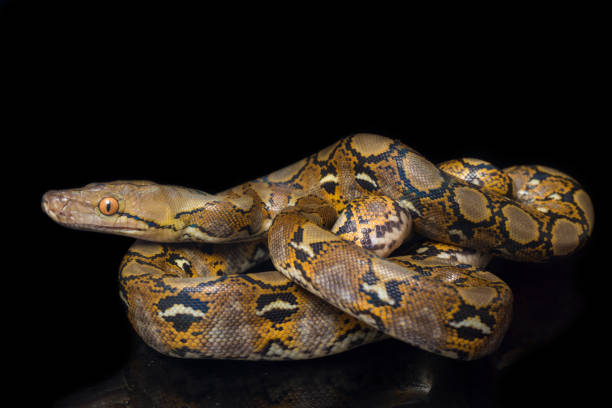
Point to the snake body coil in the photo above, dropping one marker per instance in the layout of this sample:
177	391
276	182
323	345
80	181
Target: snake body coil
327	222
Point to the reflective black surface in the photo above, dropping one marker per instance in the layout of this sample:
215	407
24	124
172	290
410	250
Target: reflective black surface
100	93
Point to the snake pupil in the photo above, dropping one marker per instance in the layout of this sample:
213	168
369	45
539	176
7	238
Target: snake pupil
108	206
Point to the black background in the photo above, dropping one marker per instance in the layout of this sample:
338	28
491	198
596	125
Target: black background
99	93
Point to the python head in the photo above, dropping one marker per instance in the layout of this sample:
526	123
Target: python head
145	210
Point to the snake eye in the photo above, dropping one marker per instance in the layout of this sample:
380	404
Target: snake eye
108	206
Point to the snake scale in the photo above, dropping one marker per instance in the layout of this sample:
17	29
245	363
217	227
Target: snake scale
328	222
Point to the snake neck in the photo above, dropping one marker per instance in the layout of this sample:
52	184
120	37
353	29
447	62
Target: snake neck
234	215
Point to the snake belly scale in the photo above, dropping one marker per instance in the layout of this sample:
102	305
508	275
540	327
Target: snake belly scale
328	222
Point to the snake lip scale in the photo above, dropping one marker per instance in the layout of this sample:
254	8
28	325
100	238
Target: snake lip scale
329	223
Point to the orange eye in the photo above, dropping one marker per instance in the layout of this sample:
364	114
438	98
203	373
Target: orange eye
108	206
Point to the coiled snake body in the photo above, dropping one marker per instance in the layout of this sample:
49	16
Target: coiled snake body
327	222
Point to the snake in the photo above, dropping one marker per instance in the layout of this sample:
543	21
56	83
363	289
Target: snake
331	225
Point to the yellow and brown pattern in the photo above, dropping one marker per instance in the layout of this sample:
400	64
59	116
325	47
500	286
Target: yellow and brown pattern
327	222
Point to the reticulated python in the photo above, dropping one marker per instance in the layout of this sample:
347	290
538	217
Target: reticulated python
327	222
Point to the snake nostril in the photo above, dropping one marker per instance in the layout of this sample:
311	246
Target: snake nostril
46	201
53	203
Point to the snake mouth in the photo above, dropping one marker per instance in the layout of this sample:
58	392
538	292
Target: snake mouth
117	230
96	227
108	228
